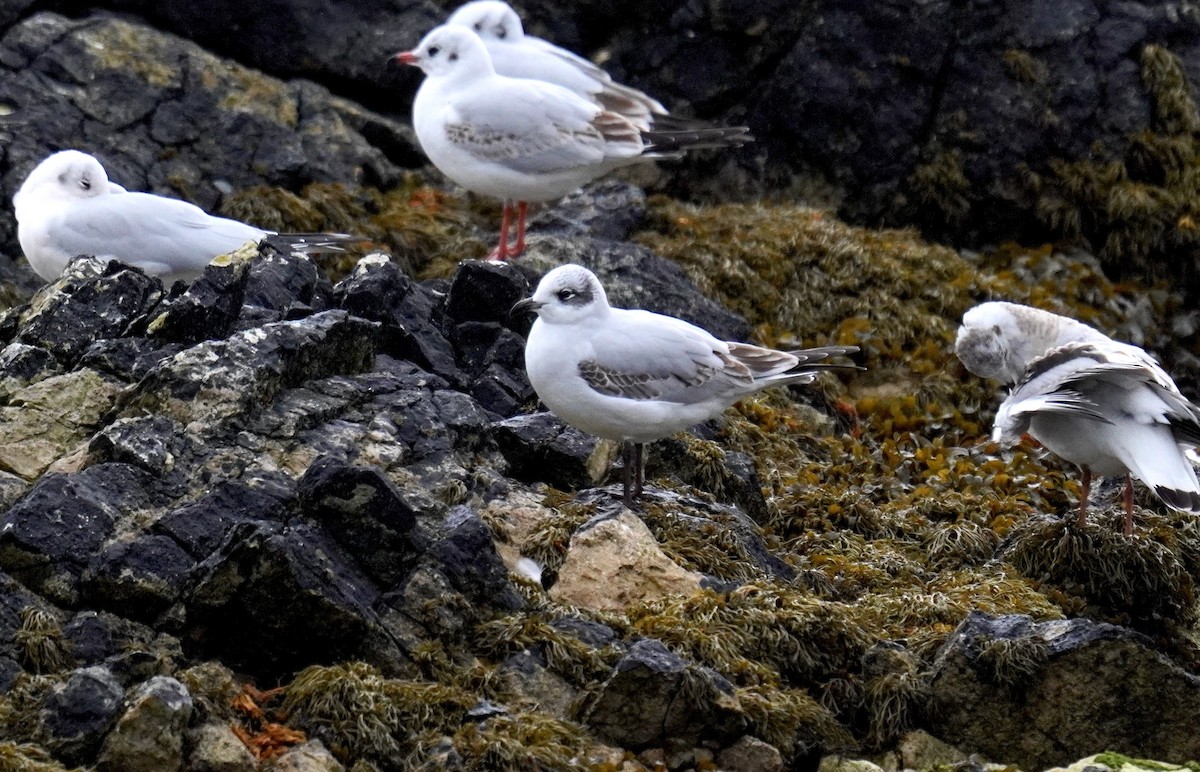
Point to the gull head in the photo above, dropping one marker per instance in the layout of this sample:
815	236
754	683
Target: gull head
985	342
491	20
63	176
453	52
568	294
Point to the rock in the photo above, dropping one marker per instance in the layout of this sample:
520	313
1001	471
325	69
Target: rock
467	556
493	357
127	359
750	754
288	285
149	736
1045	694
657	699
94	299
378	290
274	599
49	536
252	367
44	421
22	364
207	310
605	209
528	676
213	747
201	526
843	764
705	465
365	512
484	291
614	562
635	277
541	448
308	757
152	443
920	750
102	637
78	714
140	577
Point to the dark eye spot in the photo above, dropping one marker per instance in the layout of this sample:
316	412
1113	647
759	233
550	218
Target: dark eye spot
85	183
501	32
564	295
478	26
434	50
453	57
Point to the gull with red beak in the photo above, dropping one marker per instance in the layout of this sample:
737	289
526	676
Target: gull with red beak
522	140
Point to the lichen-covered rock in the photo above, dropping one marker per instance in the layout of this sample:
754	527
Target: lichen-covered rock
213	747
658	699
614	561
311	756
1080	684
149	735
750	754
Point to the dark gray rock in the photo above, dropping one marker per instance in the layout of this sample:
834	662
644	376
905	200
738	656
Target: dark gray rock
366	513
494	358
607	209
152	443
467	556
289	286
207	310
484	291
634	277
274	599
78	714
200	526
22	364
48	537
1045	694
149	735
410	314
655	698
541	448
127	358
92	300
139	577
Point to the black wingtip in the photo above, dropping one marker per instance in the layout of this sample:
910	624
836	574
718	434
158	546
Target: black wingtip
1188	501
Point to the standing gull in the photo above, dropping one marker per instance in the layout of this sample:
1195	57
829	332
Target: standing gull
518	55
1105	406
523	140
68	207
635	376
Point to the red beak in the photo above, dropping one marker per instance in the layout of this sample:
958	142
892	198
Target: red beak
406	57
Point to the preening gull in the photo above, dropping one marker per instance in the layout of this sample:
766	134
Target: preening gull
1107	407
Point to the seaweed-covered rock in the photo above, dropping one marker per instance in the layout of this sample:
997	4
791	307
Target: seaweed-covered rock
655	698
1044	694
149	735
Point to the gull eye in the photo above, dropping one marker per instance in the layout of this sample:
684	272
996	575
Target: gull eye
479	26
453	56
85	183
501	32
565	294
434	50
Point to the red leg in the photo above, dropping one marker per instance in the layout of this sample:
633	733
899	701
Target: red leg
1085	490
500	253
520	247
1128	506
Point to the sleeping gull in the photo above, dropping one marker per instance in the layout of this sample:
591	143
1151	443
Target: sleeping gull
1105	406
68	207
635	376
522	140
518	55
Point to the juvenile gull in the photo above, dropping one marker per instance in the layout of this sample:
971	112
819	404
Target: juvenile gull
1105	406
68	207
523	140
518	55
635	376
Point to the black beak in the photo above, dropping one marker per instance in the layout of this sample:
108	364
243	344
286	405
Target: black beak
526	306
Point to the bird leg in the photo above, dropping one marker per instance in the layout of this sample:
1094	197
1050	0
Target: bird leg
627	453
520	246
1085	485
639	469
1128	530
501	253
